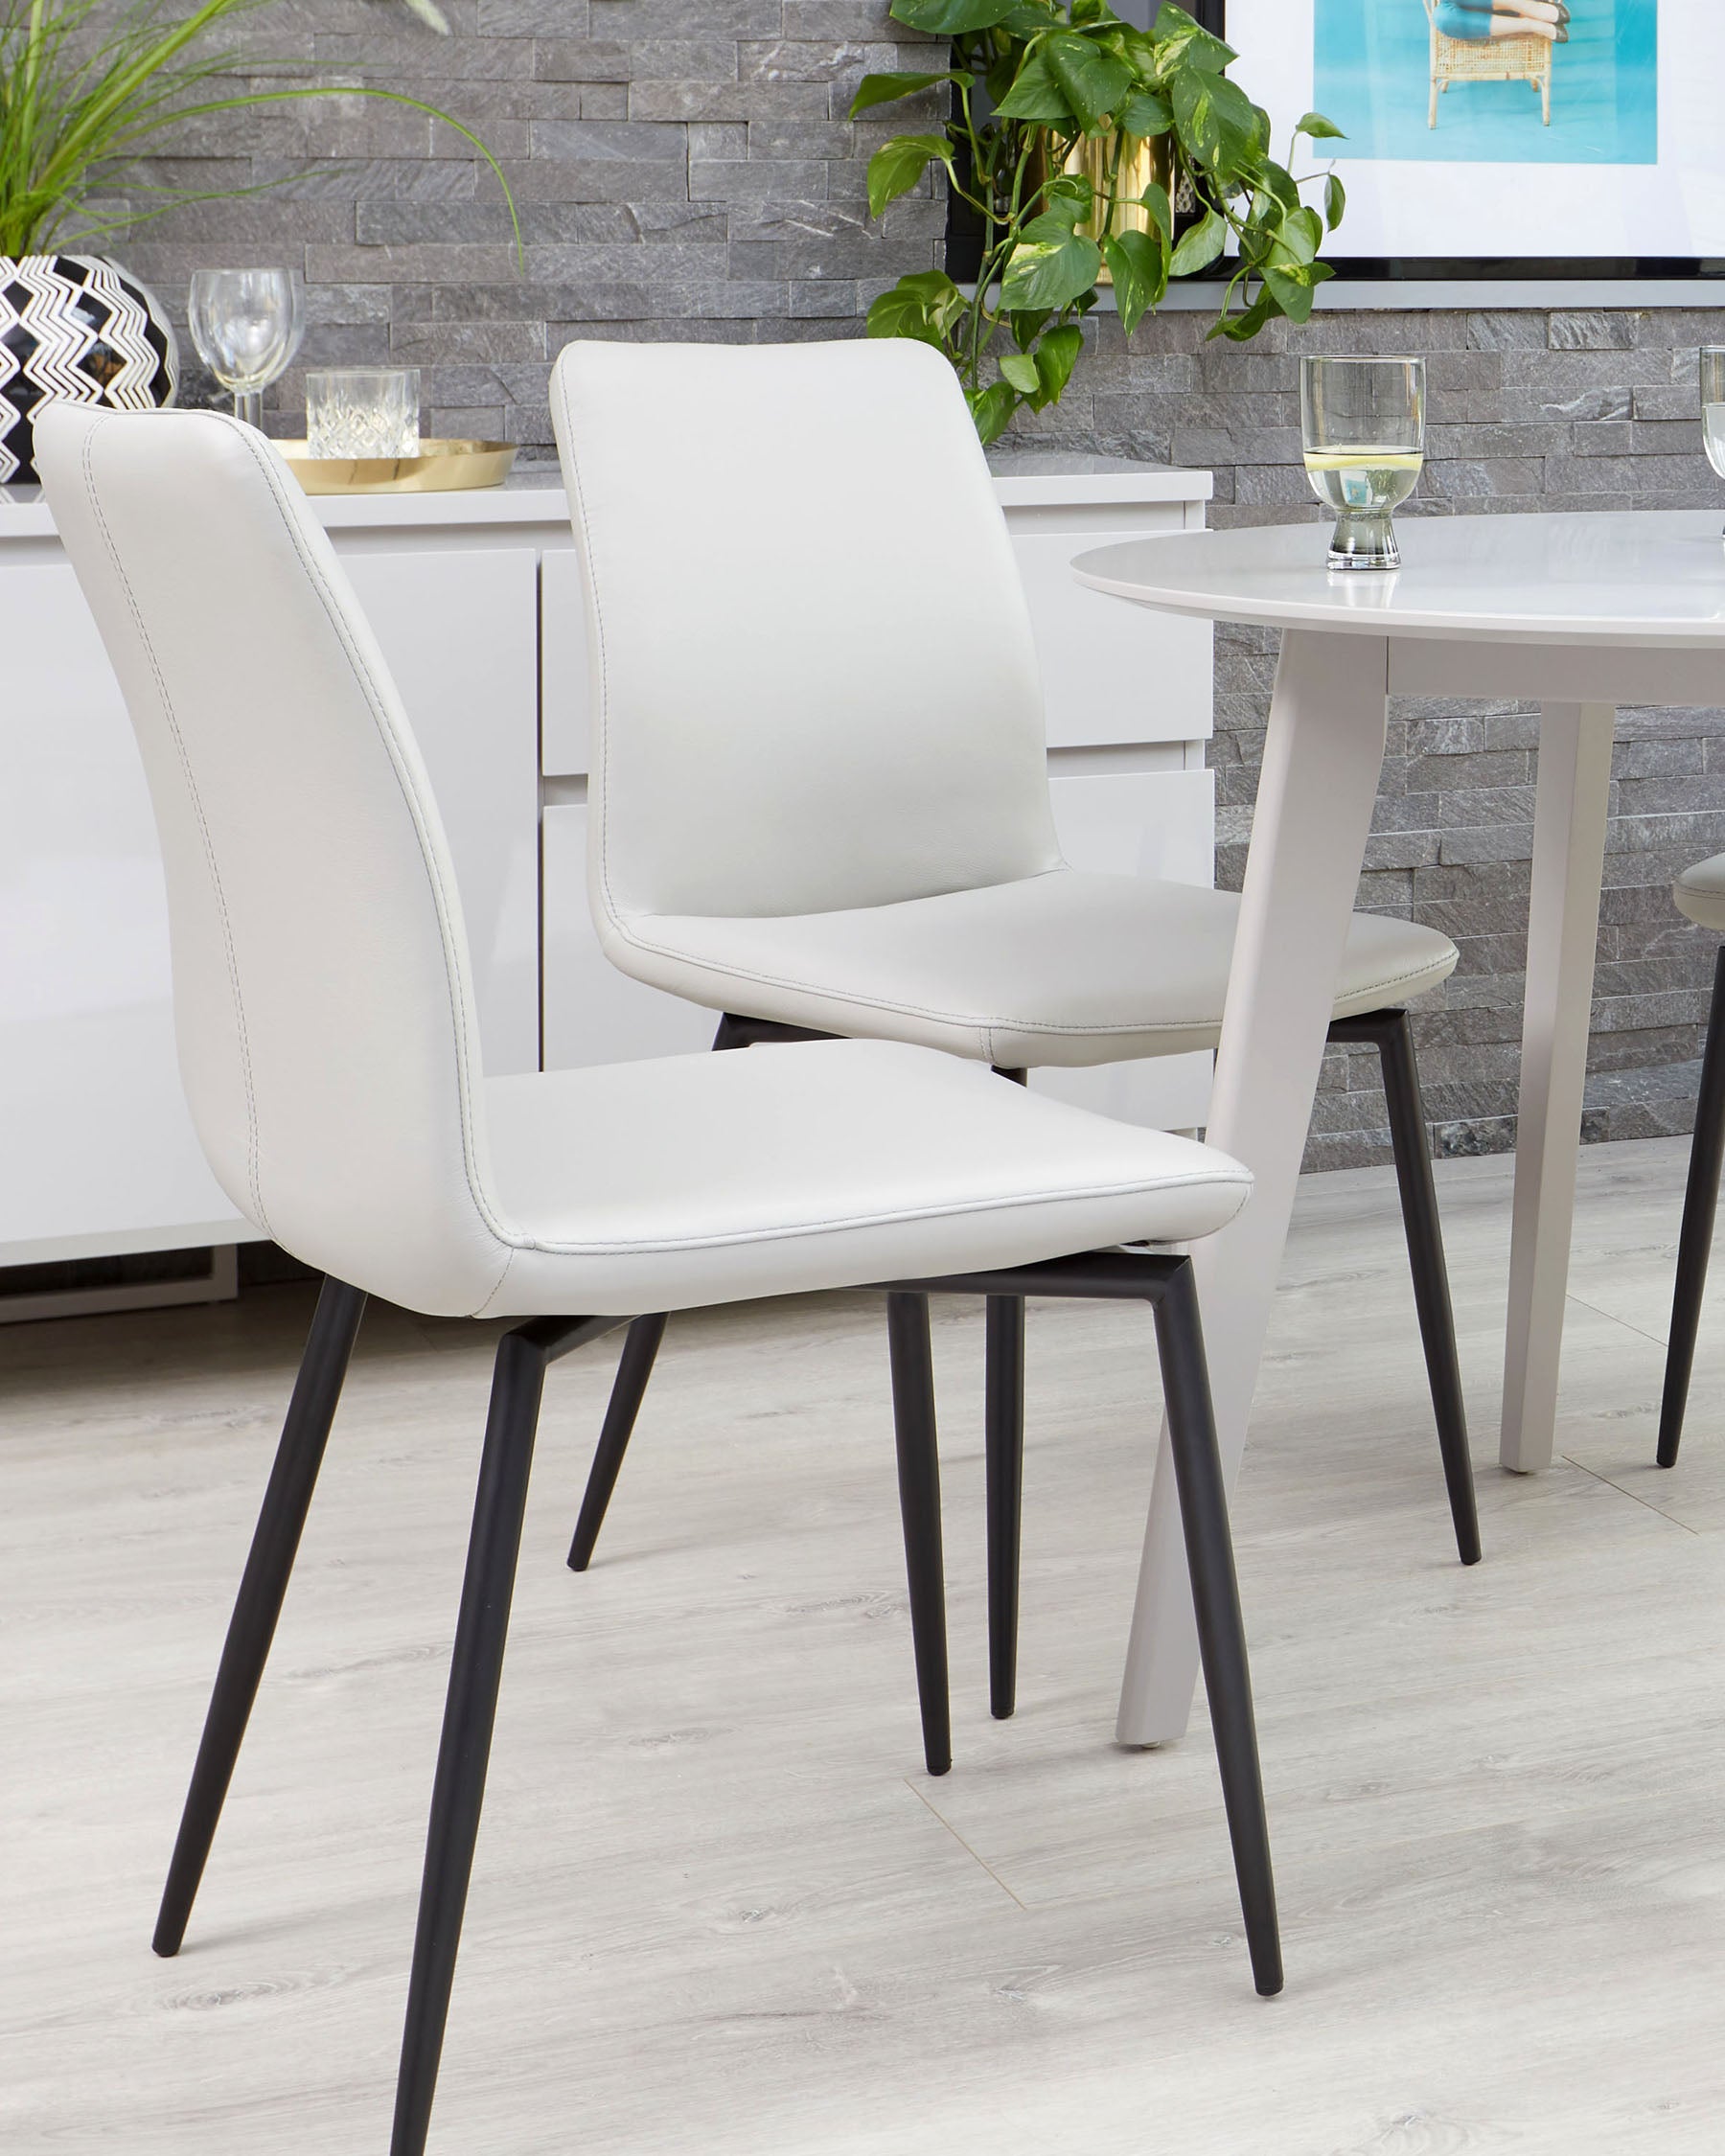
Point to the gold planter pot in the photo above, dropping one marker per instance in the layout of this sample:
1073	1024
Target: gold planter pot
1144	158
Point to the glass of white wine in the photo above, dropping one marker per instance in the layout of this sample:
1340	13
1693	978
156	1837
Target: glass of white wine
1713	405
1363	424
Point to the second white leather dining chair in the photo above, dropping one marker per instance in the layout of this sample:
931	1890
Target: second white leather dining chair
820	797
328	1041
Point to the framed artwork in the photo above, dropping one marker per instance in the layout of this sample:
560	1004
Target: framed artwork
1504	138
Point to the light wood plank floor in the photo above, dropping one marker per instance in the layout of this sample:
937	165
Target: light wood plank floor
718	1905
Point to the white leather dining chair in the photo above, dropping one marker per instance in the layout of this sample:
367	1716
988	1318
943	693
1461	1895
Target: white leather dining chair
1700	893
820	798
324	1011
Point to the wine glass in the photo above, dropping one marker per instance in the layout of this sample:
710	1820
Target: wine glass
1363	424
1713	405
246	325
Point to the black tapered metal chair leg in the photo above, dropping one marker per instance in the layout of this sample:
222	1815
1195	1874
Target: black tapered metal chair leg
634	1369
919	1505
476	1671
1004	1425
1217	1604
1694	1242
275	1542
1413	1148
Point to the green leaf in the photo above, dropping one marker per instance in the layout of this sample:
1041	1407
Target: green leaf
942	298
1217	122
1019	370
1186	43
899	313
1050	267
896	167
884	89
1199	248
1279	183
1244	327
1094	79
1137	262
1294	287
1144	113
1335	201
1026	326
1154	199
924	306
1255	244
1036	94
1068	196
1303	234
952	18
991	409
1320	128
1057	356
1029	17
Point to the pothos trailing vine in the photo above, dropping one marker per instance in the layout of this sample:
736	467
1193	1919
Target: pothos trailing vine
1032	79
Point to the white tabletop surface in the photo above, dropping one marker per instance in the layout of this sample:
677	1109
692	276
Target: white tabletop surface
1647	576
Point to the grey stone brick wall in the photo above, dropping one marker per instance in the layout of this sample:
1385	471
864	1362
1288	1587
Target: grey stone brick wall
682	169
685	170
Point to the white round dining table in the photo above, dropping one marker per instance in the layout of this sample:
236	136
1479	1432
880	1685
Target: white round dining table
1583	613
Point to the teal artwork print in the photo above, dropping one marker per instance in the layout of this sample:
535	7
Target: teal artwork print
1490	82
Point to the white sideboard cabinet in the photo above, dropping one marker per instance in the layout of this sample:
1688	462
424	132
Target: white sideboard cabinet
476	605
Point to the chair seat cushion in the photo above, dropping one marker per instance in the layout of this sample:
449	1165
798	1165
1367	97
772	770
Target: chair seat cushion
707	1178
1700	893
1067	968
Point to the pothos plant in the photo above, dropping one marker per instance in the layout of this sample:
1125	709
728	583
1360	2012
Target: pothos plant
1029	81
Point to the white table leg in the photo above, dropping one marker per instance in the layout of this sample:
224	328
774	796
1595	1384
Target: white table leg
1563	927
1321	763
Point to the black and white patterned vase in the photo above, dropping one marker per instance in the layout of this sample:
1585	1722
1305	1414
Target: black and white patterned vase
78	328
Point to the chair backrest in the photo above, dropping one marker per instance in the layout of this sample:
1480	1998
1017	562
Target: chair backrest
813	679
322	1002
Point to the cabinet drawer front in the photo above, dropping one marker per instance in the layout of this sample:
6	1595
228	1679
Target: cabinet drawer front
1138	823
1112	671
592	1013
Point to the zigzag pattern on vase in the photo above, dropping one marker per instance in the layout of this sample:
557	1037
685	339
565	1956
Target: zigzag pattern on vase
74	327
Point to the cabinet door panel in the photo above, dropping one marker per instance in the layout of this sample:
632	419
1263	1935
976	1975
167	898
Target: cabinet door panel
460	633
565	690
1147	823
1112	671
97	1151
594	1014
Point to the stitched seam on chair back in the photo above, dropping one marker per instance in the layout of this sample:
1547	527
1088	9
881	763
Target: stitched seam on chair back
253	1164
380	720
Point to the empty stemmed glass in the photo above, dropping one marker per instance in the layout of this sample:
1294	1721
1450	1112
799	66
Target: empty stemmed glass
1363	424
246	325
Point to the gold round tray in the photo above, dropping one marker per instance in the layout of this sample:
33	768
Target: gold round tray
442	466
